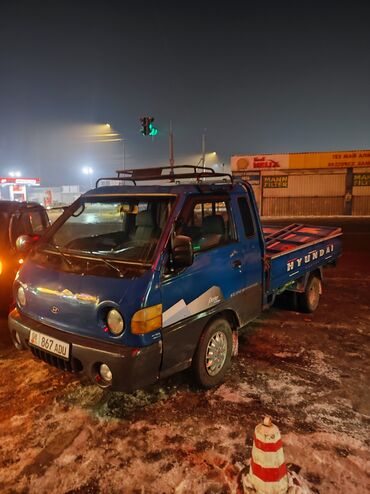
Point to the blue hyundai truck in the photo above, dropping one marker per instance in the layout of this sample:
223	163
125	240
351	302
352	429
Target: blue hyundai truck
136	281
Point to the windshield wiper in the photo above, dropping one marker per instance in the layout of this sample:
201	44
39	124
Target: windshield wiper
70	264
111	266
58	249
107	263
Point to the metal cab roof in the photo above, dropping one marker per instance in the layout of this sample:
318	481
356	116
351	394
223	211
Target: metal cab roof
170	189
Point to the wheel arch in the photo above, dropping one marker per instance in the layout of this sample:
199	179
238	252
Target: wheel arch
230	315
204	356
301	284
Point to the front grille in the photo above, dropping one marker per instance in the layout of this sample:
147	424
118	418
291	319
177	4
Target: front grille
72	365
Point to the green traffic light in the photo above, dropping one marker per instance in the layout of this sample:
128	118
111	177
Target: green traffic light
153	131
147	127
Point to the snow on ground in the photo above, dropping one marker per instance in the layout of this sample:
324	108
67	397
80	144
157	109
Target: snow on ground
332	462
310	373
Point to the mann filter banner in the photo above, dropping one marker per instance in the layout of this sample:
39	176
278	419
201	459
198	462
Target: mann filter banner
275	181
336	159
361	180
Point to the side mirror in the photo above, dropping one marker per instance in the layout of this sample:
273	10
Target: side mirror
182	251
24	243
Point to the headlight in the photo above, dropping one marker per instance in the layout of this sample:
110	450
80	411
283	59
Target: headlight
115	322
21	296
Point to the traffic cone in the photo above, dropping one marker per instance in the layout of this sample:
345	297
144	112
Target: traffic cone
268	472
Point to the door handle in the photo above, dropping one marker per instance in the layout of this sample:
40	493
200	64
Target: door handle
237	264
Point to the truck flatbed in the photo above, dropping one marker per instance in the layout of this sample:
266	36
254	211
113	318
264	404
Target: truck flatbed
279	239
294	250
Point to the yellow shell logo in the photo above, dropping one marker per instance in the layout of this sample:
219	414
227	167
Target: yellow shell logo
242	164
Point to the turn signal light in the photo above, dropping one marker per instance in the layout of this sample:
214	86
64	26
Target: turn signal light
1	267
147	320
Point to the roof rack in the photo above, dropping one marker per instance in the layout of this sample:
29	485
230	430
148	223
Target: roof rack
145	174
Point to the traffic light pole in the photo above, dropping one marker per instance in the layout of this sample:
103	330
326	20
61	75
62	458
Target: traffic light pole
204	148
172	159
202	160
123	153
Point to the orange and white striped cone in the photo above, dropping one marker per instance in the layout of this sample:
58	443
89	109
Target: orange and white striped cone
268	472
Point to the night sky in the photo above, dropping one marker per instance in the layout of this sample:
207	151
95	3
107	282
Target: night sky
264	77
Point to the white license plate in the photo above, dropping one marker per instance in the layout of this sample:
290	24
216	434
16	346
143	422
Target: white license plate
49	344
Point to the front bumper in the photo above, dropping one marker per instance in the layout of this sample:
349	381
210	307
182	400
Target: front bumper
131	368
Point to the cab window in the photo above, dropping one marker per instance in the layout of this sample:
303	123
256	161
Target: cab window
37	222
28	223
208	224
247	218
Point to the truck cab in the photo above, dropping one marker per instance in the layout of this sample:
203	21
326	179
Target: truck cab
16	219
136	282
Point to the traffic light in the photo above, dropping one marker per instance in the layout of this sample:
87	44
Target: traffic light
153	131
147	127
144	126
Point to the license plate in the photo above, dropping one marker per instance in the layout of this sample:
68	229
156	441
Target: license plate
49	344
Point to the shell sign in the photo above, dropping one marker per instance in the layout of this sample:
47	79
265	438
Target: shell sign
335	159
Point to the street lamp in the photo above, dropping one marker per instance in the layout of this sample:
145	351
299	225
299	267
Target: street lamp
87	170
102	133
115	137
15	174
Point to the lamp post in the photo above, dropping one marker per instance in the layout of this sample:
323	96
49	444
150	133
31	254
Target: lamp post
202	160
115	137
104	133
87	170
16	174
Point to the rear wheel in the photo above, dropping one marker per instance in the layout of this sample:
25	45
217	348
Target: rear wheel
213	355
309	299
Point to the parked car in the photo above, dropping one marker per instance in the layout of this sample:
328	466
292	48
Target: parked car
16	219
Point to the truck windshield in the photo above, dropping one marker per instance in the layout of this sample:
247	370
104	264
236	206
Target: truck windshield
125	229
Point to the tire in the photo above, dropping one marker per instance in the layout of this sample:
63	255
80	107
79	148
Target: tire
216	336
308	301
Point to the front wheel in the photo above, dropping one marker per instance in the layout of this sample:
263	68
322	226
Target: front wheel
308	301
213	355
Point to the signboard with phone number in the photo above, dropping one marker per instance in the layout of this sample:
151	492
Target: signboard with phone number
361	179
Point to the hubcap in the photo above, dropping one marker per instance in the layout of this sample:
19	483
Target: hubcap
216	353
313	294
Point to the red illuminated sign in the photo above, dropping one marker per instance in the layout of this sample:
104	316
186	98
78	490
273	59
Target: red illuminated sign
19	181
265	163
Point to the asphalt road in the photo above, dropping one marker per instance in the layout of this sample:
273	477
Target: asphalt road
309	372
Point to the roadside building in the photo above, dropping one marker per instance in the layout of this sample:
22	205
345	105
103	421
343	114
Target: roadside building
55	196
308	184
17	188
